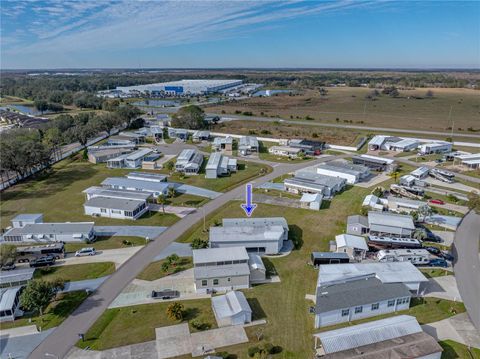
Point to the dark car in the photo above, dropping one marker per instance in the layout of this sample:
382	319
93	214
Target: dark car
438	262
9	266
432	237
447	256
434	250
42	262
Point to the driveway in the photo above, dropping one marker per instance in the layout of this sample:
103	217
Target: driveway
196	191
456	186
449	222
117	256
130	231
467	264
181	249
458	328
374	181
176	210
443	287
20	346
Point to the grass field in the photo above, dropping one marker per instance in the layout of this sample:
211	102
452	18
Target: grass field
435	272
75	272
455	350
56	312
154	270
123	326
265	155
102	243
58	195
350	105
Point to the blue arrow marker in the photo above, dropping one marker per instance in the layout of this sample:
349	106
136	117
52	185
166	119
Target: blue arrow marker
248	207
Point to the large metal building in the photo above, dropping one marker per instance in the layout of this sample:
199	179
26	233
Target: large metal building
182	87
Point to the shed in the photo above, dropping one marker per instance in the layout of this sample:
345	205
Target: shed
311	201
231	309
258	272
355	246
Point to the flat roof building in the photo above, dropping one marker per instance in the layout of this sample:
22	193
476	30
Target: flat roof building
201	136
397	336
257	235
120	208
381	224
16	277
308	180
218	269
355	246
129	160
181	87
404	145
285	151
51	232
311	201
375	163
394	272
189	162
122	183
103	155
350	172
435	147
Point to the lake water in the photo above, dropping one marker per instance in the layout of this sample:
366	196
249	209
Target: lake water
29	110
272	92
157	103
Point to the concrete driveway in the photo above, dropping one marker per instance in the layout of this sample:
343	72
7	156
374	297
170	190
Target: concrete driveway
458	328
117	256
129	231
20	345
196	191
443	287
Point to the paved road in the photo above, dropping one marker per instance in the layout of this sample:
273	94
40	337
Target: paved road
66	335
335	125
467	264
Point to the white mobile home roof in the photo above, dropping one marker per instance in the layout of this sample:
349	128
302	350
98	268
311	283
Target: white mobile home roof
147	176
52	228
214	161
210	255
16	275
377	140
114	203
230	270
139	185
359	335
270	221
246	233
348	240
95	191
232	303
138	154
383	159
390	220
405	143
471	156
255	262
420	171
248	141
391	272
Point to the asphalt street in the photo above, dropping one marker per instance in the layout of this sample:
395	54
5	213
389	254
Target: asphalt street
467	264
335	125
67	334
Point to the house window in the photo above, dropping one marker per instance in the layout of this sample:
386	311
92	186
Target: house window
228	279
345	312
204	282
116	211
375	306
358	309
399	301
391	303
103	210
215	282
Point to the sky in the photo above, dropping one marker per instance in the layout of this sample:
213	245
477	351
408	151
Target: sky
247	34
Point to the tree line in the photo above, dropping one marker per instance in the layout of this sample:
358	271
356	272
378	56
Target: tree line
26	150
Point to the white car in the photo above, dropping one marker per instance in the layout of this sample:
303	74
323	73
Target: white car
88	251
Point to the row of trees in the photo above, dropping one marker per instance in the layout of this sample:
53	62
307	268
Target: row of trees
26	150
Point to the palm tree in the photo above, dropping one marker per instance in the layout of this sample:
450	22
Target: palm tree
171	192
175	311
162	200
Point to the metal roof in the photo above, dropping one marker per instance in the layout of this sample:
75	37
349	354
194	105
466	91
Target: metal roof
311	174
147	176
270	221
390	220
391	272
378	158
230	270
230	304
357	292
214	161
311	197
377	140
404	252
114	203
222	140
27	217
139	185
405	143
210	255
138	154
95	191
368	333
7	298
248	142
420	171
357	219
407	202
398	240
16	275
246	233
52	228
348	240
346	167
330	255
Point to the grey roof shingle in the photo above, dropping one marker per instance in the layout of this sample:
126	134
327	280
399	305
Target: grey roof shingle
231	270
358	292
114	203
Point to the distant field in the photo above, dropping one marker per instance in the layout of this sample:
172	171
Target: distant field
350	104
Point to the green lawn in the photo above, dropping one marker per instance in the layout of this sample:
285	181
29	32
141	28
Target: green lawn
246	172
75	272
102	243
435	272
454	350
265	155
129	325
58	195
154	270
186	200
54	314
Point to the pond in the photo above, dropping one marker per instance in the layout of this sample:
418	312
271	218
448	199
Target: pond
28	110
271	92
157	103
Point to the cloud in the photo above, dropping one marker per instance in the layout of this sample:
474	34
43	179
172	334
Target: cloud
78	26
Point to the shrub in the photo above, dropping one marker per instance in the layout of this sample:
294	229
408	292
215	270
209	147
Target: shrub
252	351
